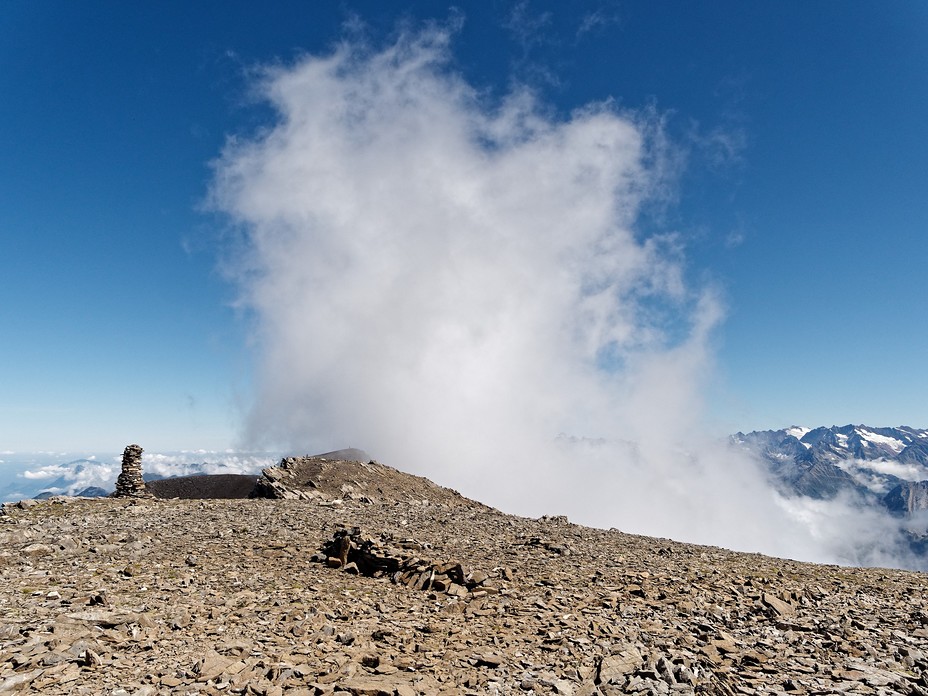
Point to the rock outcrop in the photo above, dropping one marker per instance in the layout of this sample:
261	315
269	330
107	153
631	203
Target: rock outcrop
907	499
333	479
403	562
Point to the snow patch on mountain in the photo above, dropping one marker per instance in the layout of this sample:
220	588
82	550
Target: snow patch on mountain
799	432
895	445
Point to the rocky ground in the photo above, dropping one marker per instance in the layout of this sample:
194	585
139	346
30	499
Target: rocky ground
248	596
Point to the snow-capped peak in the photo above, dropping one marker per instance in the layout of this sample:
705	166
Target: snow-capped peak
798	432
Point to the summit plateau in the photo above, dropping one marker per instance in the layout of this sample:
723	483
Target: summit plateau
360	579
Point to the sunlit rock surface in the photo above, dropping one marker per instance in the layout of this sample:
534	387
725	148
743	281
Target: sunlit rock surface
154	596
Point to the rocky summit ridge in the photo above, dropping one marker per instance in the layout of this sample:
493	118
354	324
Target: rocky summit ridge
359	579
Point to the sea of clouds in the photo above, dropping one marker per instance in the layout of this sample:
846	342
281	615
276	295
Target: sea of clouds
28	474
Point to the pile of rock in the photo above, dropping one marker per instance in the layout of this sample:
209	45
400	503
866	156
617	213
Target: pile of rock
277	482
335	481
354	553
130	483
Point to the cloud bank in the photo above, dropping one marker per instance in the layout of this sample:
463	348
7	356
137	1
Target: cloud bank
28	474
458	284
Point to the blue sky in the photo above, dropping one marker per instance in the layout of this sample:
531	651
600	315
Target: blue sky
797	129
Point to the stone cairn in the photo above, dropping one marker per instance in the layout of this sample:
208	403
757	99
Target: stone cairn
354	553
130	483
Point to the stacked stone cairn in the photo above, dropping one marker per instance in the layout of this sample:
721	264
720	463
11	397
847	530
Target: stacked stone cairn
130	483
354	553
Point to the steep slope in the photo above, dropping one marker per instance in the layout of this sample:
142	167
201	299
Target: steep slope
907	499
800	466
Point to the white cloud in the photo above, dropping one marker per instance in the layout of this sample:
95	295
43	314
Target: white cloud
45	472
529	27
75	475
452	284
602	15
876	474
907	471
205	462
101	471
848	531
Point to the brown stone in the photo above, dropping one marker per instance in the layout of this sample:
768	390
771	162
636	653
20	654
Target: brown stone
780	607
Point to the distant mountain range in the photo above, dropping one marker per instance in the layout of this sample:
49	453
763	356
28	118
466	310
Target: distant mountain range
884	466
89	492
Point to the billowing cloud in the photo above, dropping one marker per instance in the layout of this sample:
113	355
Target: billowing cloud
849	531
458	285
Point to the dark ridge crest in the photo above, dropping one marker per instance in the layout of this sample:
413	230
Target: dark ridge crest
214	486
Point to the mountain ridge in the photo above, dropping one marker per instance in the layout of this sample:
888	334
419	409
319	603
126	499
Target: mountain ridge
821	462
883	469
